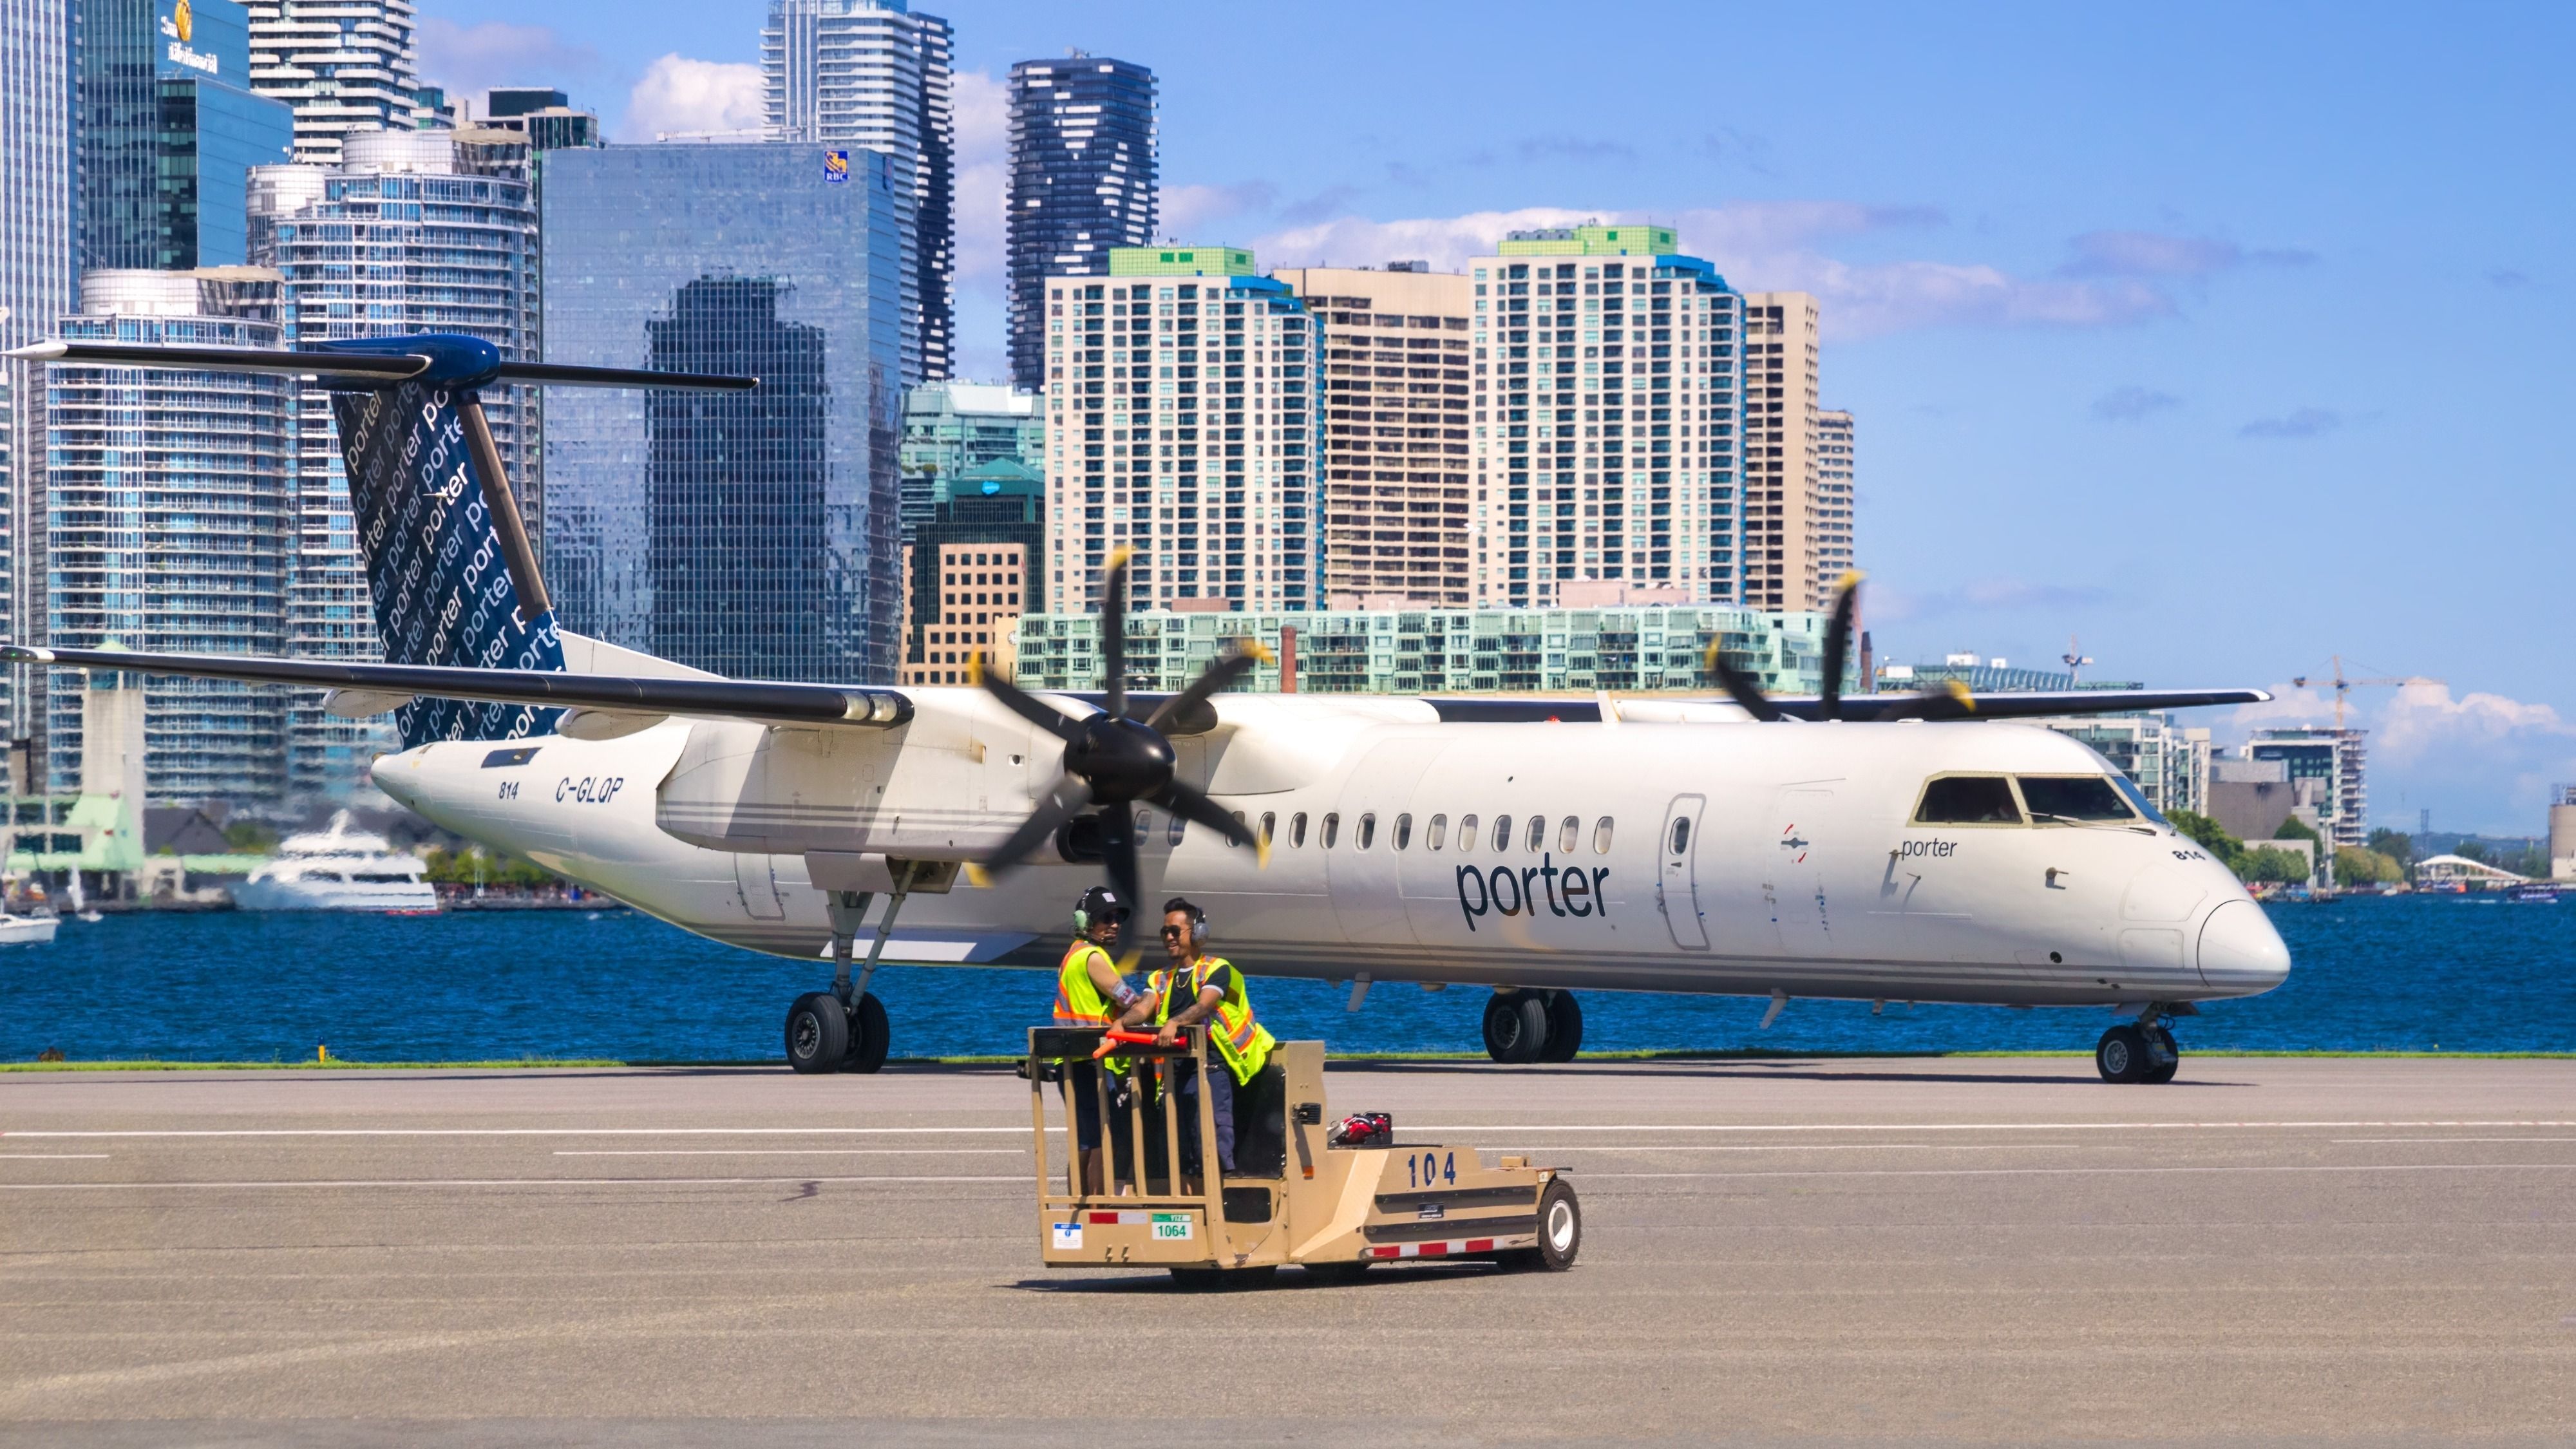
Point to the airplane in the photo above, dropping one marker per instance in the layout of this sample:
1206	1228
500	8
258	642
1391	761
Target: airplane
1911	848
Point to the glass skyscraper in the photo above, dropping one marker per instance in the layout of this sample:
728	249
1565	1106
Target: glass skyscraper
39	262
166	500
169	132
404	236
1083	180
753	534
874	74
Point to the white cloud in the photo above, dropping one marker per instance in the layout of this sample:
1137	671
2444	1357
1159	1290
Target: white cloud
471	59
1766	246
982	107
2481	762
679	95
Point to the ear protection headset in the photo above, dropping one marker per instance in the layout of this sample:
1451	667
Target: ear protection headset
1200	929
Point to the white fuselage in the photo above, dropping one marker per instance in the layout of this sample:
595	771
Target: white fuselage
1797	869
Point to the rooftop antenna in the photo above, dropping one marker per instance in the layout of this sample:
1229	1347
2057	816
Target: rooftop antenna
2075	659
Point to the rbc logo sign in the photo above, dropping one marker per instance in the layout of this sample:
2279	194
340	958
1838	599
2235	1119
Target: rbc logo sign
836	168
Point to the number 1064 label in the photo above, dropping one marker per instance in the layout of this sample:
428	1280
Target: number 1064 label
1172	1227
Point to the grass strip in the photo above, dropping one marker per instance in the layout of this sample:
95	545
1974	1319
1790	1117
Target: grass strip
337	1064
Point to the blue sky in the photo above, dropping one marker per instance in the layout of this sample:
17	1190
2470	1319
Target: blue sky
2225	337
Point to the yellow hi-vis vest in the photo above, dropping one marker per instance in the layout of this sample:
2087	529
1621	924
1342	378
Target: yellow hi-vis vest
1243	1042
1078	1001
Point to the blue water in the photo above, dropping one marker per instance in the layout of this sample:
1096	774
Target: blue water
2462	974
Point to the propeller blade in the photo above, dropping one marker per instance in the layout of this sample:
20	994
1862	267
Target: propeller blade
1113	633
1738	688
1020	702
1235	665
1064	800
1118	853
1189	804
1951	701
1838	643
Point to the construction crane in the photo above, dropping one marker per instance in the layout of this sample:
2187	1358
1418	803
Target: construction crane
2344	687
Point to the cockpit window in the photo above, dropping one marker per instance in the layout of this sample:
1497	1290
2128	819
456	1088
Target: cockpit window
1968	800
2138	798
2070	799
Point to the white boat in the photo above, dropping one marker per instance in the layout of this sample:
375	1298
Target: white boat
338	869
27	930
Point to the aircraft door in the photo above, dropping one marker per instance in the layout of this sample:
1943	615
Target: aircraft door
757	880
1677	877
1794	881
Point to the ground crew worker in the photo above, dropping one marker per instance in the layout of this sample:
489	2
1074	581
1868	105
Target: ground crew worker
1198	987
1090	992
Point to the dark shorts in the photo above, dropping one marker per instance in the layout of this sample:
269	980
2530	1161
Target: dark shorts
1082	1092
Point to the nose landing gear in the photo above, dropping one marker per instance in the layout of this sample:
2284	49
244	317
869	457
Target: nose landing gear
2143	1052
1533	1026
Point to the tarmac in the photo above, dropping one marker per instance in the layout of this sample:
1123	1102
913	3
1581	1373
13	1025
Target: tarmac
1782	1251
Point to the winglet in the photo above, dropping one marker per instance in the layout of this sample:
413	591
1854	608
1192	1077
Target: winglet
24	654
38	351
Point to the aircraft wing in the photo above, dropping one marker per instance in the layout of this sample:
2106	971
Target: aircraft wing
391	684
1483	709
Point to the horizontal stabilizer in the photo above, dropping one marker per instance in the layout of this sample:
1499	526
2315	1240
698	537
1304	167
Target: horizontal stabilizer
785	704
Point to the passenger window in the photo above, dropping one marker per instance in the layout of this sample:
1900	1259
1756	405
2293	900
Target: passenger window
1332	828
1438	833
1968	800
1567	834
1466	834
1297	830
1238	819
1269	827
1403	831
1537	834
2070	798
1681	834
1502	834
1174	830
1368	831
1601	836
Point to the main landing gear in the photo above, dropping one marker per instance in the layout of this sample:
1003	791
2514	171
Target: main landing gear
1532	1026
2142	1051
844	1029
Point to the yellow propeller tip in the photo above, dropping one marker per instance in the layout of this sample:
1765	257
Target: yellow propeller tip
977	876
975	670
1128	962
1261	854
1118	556
1259	651
1960	692
1850	580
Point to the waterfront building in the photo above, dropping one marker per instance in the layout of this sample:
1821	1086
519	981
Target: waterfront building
169	130
1648	389
951	429
415	231
1392	449
971	571
345	66
1440	651
874	75
1084	178
1833	504
542	114
2337	759
1180	417
167	500
39	268
1799	543
2170	764
1967	668
2562	832
754	534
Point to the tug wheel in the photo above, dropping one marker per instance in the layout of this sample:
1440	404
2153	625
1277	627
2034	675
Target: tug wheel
1560	1231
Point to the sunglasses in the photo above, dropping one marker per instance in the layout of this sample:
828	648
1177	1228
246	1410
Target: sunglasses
1173	932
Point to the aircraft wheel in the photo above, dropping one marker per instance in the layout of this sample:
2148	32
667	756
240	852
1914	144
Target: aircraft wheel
2163	1057
2121	1055
818	1033
1564	1027
868	1036
1515	1027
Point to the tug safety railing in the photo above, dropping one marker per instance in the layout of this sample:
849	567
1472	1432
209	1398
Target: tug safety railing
1057	1051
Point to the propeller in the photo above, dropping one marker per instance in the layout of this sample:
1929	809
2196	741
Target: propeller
1951	701
1112	760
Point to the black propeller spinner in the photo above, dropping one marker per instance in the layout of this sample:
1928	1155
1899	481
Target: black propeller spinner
1951	702
1112	760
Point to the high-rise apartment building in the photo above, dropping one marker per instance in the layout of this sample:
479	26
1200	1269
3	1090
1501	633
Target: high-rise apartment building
1606	447
2337	760
169	131
1834	556
542	114
1181	415
39	266
344	65
405	235
1798	532
1084	179
1393	447
167	502
970	571
952	430
754	534
874	75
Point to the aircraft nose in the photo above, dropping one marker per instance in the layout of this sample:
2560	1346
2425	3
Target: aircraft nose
2239	949
393	774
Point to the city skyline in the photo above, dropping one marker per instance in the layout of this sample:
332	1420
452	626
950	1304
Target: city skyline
2109	303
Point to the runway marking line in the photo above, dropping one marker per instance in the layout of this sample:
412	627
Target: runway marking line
792	1152
53	1157
224	1132
2082	1171
1017	1177
550	1131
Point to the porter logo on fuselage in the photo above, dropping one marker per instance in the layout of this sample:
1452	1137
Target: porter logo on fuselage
1563	890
